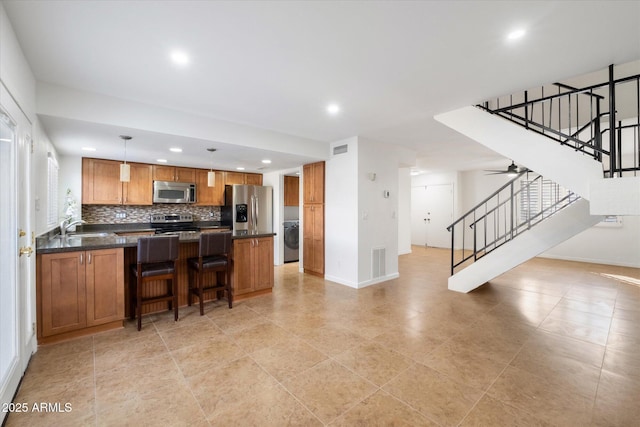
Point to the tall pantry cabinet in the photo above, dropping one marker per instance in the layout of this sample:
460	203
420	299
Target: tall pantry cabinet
313	218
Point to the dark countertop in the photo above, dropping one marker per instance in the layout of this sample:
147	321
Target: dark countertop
47	245
139	226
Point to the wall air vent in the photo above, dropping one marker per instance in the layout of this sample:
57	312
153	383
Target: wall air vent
340	149
378	261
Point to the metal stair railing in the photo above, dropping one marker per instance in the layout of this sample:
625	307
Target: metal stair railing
575	117
514	208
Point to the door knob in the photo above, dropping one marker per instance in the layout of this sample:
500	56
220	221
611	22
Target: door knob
26	250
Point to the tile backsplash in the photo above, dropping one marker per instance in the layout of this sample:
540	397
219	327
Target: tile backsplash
112	214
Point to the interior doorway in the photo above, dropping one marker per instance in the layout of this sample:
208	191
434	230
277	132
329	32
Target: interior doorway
431	214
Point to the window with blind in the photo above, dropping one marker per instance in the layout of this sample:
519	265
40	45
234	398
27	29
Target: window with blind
541	196
52	190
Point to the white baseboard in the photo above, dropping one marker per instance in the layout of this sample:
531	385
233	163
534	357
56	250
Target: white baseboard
363	284
590	261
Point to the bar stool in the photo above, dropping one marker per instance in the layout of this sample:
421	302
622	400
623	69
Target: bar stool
214	255
156	261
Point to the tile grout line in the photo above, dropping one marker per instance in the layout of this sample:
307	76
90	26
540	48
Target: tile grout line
285	388
95	382
184	380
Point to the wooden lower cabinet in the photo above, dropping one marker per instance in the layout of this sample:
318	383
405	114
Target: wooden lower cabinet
252	265
79	292
313	239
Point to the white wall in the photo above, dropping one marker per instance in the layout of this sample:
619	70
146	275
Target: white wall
377	215
39	178
603	245
70	178
17	78
15	72
404	211
358	218
341	215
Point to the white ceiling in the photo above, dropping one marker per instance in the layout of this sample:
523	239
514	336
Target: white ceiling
390	65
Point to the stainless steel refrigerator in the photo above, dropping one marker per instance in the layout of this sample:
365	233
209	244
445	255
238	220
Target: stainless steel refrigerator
249	208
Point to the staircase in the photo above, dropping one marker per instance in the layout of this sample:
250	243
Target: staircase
586	163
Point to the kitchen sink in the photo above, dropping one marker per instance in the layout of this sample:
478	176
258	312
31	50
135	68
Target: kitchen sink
83	235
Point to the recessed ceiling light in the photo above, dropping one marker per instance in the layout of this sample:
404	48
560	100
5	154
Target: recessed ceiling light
333	109
176	150
179	58
266	161
516	34
162	160
240	168
88	149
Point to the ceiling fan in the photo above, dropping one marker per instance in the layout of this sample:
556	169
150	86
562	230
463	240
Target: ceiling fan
512	170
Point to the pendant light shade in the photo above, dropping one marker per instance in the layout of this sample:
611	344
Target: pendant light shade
125	169
125	172
211	175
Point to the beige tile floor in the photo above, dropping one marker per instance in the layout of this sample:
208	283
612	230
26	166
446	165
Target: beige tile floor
549	343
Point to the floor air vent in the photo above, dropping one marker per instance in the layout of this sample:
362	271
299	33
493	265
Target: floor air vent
378	262
340	149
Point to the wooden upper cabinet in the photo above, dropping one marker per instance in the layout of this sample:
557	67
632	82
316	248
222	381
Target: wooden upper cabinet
231	178
291	191
173	173
253	179
185	175
313	182
139	190
101	182
209	196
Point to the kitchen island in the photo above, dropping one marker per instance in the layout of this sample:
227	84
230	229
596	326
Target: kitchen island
83	283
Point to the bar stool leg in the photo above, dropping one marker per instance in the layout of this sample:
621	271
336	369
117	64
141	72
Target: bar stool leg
174	292
228	284
139	301
200	283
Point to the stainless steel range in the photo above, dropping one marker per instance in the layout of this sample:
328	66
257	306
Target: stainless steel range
173	223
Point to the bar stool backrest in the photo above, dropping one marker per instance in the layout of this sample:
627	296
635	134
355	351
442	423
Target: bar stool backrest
157	249
214	244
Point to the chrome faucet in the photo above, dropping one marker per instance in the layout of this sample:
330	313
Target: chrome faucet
65	225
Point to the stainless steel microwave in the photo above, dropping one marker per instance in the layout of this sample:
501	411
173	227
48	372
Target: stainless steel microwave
174	192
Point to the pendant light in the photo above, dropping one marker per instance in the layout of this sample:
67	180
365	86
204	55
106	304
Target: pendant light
211	175
125	170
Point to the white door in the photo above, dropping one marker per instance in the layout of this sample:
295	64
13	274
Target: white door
431	214
17	285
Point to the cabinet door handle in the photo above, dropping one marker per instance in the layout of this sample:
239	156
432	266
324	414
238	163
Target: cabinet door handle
81	258
89	260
